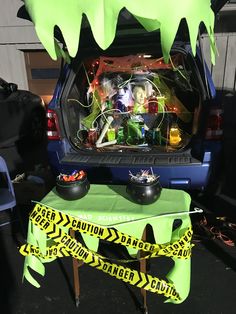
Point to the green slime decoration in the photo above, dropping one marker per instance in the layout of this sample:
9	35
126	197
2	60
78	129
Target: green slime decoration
103	15
170	98
88	121
108	205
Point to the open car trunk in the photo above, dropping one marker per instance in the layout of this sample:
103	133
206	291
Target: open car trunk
125	106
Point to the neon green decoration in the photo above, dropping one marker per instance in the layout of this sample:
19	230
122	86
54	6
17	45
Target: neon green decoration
103	15
96	109
108	206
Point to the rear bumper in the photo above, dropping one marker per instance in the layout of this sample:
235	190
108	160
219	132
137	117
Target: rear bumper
182	174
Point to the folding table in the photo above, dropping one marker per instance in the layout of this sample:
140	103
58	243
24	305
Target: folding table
109	206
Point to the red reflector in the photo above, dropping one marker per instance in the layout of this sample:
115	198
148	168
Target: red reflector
52	125
214	125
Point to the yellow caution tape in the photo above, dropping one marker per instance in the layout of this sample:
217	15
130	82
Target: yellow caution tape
61	251
77	250
179	249
57	250
50	221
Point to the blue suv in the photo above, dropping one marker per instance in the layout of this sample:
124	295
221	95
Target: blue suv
124	109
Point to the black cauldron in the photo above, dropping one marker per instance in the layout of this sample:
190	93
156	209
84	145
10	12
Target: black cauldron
144	193
72	190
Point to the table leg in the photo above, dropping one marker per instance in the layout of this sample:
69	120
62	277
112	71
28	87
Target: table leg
76	264
143	268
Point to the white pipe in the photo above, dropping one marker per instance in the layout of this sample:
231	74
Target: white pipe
98	145
104	130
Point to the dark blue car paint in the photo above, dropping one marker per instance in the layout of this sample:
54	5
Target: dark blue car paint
181	176
191	176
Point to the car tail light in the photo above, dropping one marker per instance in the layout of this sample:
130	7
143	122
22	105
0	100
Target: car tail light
52	125
215	124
